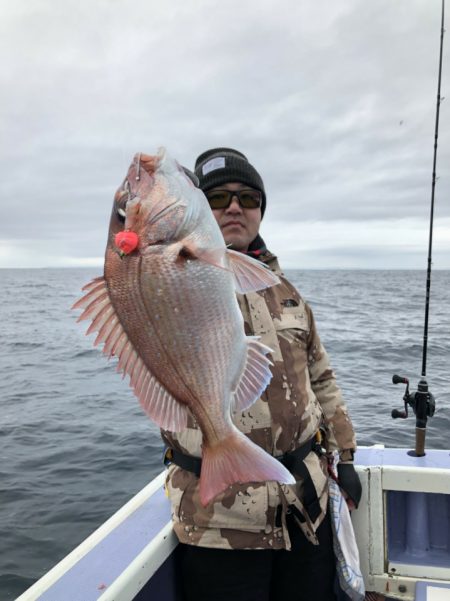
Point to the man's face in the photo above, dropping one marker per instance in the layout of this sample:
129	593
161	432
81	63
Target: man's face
239	226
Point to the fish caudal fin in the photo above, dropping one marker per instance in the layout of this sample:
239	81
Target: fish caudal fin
237	459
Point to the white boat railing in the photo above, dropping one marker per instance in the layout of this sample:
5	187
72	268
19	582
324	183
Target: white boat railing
402	527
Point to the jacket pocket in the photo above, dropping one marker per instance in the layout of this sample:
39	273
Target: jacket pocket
293	325
239	507
242	508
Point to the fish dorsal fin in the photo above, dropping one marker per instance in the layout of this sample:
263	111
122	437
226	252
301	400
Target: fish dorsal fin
157	402
249	274
255	376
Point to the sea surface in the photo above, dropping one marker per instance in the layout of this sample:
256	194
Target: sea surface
75	444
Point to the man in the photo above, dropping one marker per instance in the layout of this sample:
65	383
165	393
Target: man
265	541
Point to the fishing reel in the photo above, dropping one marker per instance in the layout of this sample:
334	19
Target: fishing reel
423	405
421	402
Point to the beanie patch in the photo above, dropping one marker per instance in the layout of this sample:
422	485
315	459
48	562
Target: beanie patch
213	164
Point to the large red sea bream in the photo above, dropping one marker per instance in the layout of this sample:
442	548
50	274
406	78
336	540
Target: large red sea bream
166	307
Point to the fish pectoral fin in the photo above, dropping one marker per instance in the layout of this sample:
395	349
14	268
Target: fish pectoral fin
157	402
212	256
249	274
255	377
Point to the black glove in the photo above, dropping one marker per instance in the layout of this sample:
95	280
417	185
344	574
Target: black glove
349	481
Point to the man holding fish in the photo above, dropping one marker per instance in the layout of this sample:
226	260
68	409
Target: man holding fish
280	533
240	385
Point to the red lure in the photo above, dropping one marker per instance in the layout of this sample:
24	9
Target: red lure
126	242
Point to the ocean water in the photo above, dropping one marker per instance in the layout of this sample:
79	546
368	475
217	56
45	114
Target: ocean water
75	445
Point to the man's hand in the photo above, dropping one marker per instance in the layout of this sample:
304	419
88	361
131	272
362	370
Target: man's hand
349	481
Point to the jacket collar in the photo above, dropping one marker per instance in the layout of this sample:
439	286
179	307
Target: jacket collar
258	250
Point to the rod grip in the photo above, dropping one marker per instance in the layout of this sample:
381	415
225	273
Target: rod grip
420	442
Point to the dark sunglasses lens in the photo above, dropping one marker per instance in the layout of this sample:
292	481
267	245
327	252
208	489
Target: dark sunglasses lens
219	199
250	199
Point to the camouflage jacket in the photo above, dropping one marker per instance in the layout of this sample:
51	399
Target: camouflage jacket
301	397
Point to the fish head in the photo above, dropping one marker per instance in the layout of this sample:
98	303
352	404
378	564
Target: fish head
157	201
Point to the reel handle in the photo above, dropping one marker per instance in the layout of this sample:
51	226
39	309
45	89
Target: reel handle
399	413
399	380
396	413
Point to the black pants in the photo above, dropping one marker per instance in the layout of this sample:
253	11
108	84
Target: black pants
306	573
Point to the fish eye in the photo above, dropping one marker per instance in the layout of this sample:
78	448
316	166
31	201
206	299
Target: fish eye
122	197
120	210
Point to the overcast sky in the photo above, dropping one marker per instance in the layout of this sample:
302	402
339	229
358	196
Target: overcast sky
332	101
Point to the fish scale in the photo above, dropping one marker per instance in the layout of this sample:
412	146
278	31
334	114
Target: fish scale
202	369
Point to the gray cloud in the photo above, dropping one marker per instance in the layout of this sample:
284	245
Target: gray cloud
333	102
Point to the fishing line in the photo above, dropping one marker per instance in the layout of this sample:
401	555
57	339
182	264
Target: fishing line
433	185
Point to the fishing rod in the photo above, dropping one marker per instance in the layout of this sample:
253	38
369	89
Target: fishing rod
422	401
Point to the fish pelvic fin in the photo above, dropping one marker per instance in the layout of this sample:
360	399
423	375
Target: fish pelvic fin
237	459
255	376
249	274
156	401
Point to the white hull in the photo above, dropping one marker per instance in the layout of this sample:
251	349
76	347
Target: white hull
402	528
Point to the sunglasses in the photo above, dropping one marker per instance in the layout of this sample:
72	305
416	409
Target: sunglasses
221	199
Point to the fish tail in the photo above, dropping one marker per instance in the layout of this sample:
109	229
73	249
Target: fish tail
237	459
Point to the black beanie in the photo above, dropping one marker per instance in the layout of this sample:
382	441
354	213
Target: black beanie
224	165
